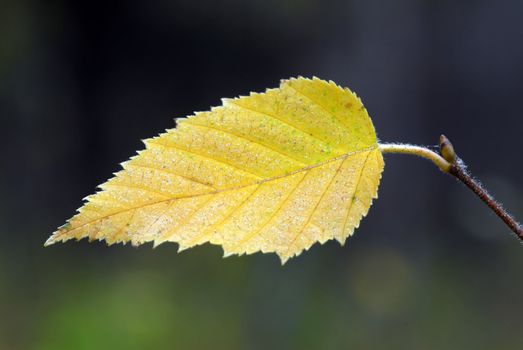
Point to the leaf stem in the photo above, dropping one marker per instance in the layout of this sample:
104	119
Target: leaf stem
419	151
449	163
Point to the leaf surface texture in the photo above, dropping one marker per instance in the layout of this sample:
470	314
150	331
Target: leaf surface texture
271	172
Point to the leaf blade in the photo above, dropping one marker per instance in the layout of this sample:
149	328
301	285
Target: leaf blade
270	175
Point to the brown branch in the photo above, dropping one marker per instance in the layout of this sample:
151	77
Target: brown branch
459	170
448	162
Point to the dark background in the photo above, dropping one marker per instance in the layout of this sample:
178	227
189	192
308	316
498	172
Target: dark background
430	268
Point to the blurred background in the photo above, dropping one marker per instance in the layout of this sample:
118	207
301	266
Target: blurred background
81	82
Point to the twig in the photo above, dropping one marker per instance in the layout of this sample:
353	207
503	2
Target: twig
449	163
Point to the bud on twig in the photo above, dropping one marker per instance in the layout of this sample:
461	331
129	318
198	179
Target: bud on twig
447	150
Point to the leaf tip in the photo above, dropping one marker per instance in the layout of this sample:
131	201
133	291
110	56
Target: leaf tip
56	236
50	241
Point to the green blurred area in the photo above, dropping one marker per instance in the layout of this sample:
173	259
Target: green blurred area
128	298
430	268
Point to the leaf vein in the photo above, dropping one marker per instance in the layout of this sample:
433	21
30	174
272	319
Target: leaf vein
306	133
189	178
177	147
332	114
343	156
247	139
134	187
331	181
117	235
353	193
222	221
249	236
187	219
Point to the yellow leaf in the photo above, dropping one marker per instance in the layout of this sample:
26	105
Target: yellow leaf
271	172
